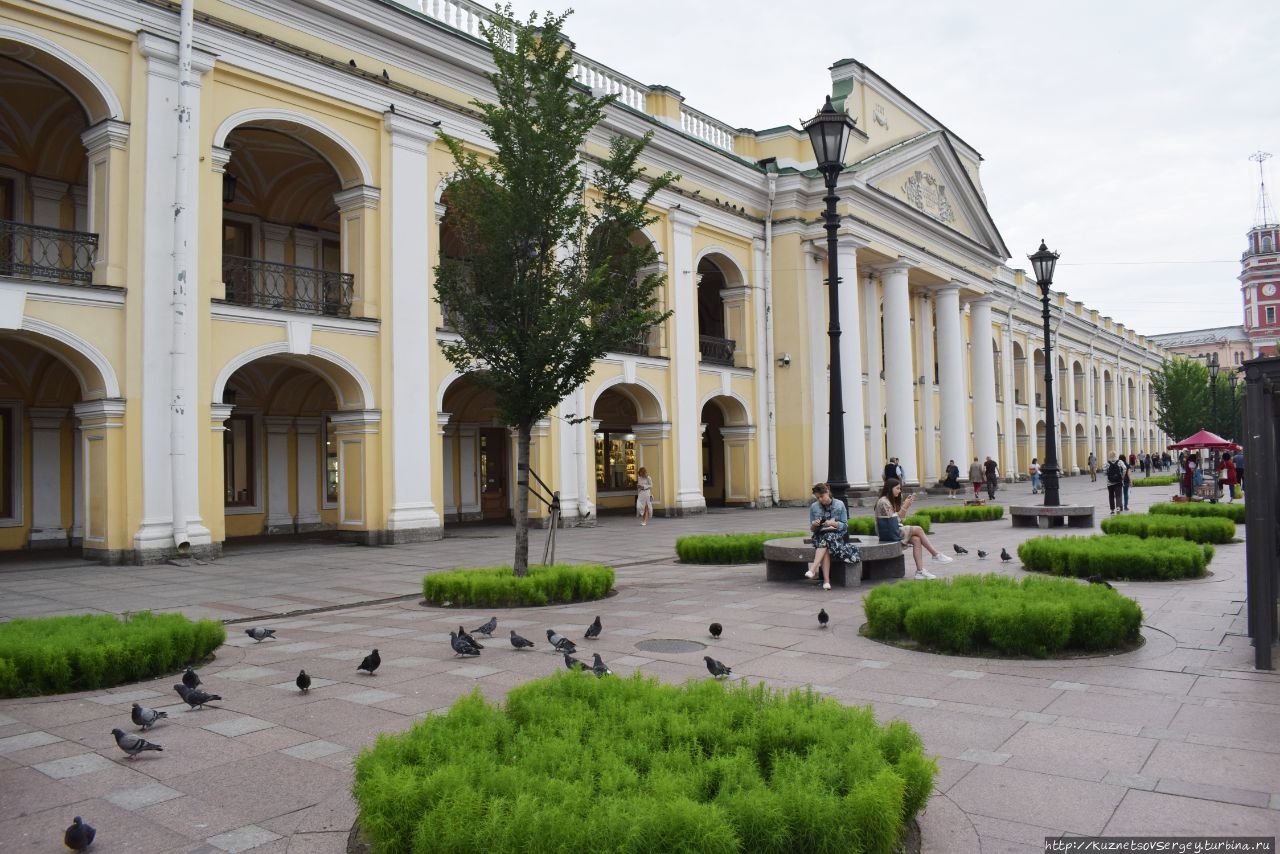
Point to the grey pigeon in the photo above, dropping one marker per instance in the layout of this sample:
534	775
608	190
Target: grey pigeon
146	718
462	633
460	645
79	836
716	668
259	634
593	630
823	618
716	629
370	663
561	643
1004	555
981	554
960	550
574	663
487	628
190	678
194	697
303	681
599	667
1098	579
519	642
132	744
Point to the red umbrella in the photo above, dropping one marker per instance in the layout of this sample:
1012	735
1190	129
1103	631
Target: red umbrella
1206	440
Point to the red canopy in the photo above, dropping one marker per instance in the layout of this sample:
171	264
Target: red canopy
1206	440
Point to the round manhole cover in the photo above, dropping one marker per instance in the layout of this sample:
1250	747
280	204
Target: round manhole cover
670	645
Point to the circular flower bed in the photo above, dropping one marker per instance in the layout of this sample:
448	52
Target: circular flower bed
1234	512
1197	529
1116	556
749	548
498	587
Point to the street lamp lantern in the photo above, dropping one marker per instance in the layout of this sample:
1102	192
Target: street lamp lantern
829	133
1043	262
1213	390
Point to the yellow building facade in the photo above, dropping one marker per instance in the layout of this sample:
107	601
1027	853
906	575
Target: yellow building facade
216	276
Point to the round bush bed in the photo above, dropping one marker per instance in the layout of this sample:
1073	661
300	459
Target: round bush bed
1155	480
574	763
1118	556
1197	529
1234	512
985	513
974	613
498	587
726	548
57	655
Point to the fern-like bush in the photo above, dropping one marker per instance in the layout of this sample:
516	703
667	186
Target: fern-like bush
573	763
56	655
1155	480
976	613
1197	529
1121	556
1234	512
985	513
498	587
726	548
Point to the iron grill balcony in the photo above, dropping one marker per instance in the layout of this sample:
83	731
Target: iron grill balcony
44	254
268	284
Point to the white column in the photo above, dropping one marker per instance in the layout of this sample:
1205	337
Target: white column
307	475
413	515
1009	465
765	366
874	382
105	143
1090	412
1029	382
924	371
855	432
46	477
279	518
815	316
685	355
899	372
982	366
955	427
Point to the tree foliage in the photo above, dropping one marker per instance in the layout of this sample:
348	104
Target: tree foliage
1181	388
547	275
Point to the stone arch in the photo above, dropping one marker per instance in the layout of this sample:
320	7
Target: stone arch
91	368
351	388
650	409
720	256
84	83
352	167
734	416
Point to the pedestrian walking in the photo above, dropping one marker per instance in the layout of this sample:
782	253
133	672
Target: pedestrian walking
1093	467
1115	483
976	477
992	472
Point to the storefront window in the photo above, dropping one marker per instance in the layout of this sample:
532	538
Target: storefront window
615	461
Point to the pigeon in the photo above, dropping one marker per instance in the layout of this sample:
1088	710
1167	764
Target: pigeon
79	836
462	633
981	554
190	678
260	634
460	645
599	667
716	629
717	668
1098	579
593	630
146	718
303	681
960	550
574	663
487	628
370	663
519	642
132	744
561	643
194	697
1005	556
823	617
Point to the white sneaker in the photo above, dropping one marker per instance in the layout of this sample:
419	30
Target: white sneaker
941	558
924	575
826	585
811	574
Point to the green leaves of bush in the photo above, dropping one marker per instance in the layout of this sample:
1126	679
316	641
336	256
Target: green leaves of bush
702	767
498	587
1197	529
56	655
1034	616
1120	556
1156	480
726	548
1234	512
985	513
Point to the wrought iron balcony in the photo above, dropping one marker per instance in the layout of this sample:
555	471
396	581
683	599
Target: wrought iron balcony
267	284
717	351
638	347
46	254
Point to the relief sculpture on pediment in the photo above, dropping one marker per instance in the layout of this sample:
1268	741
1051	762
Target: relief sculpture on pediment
929	195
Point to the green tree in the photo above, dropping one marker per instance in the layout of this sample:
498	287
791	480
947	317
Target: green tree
1230	404
551	276
1181	387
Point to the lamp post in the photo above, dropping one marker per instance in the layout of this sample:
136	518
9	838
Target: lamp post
829	135
1213	390
1043	262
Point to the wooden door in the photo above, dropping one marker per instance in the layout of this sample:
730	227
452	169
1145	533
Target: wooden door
493	472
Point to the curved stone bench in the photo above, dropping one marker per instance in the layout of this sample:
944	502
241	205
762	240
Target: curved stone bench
1068	515
788	559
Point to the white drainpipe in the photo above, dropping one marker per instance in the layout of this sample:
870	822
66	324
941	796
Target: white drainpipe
181	281
770	365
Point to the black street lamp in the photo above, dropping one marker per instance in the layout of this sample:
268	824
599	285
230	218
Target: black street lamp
1213	389
1043	262
829	135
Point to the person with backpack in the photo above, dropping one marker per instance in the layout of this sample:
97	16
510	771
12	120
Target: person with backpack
993	474
1125	484
1115	483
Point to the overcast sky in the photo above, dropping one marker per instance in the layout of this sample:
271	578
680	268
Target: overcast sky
1118	131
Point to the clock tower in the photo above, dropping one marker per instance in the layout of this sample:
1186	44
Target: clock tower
1260	274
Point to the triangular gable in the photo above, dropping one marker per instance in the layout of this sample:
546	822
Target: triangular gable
926	173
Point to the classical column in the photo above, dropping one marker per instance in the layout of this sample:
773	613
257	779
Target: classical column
357	216
1029	382
1089	406
47	530
955	427
103	456
815	337
1011	465
568	440
855	419
928	417
737	463
355	433
899	373
279	517
983	378
874	354
218	415
686	356
106	145
765	374
650	440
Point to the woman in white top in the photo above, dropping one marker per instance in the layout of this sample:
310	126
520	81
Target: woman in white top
644	495
890	507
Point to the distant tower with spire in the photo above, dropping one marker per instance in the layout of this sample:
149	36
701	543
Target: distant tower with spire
1260	272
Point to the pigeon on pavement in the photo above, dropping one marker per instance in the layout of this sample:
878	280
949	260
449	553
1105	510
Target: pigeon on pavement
981	554
487	628
462	633
190	678
716	629
303	681
259	634
460	645
823	617
132	744
593	630
370	663
717	668
146	718
1004	555
561	643
599	667
79	836
519	642
960	550
1098	579
574	663
194	697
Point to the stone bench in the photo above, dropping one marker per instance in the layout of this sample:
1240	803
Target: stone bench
1039	516
789	558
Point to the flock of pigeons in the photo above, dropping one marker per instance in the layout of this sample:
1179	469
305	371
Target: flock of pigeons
1005	557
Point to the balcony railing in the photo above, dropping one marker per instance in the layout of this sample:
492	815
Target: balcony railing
716	351
267	284
46	254
638	347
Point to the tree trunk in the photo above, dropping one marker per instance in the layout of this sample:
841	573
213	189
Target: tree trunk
521	562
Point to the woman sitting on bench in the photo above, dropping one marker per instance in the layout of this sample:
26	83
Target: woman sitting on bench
890	508
828	520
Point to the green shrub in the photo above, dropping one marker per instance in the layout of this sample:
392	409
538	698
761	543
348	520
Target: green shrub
1194	528
1155	480
1120	556
56	655
1032	616
1234	512
985	513
865	526
579	764
726	548
497	586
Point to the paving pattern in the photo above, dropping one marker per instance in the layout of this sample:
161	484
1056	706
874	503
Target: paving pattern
1180	737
